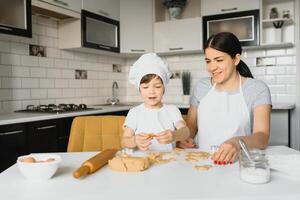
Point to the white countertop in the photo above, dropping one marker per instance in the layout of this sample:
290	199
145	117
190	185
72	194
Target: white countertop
18	117
174	180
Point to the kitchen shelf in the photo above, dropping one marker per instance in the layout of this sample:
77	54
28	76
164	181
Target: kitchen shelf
269	46
269	22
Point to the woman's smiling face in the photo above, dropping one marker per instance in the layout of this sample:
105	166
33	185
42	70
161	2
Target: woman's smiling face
220	65
152	92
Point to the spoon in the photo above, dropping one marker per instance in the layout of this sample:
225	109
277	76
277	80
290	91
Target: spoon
245	149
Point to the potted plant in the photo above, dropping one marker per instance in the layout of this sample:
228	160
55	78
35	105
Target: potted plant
175	7
186	86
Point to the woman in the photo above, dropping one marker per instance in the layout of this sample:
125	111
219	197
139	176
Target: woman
230	105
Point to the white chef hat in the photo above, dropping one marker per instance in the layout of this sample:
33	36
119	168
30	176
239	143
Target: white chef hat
149	63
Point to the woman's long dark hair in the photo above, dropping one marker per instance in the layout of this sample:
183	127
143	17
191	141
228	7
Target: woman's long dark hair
228	43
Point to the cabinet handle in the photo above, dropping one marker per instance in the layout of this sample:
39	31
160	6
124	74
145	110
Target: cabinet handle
5	28
61	2
103	12
173	49
228	9
11	132
137	50
105	47
46	127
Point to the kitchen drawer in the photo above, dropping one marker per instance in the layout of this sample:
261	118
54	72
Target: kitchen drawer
43	136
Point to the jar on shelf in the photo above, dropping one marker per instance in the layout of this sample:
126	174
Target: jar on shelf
256	171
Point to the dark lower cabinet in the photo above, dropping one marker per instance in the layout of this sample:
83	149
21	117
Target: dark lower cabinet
12	144
64	133
42	136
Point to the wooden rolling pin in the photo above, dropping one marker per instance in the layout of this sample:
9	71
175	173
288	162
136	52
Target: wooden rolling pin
95	163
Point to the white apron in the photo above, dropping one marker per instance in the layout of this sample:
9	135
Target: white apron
220	117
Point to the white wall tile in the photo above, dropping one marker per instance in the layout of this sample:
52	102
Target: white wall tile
291	70
74	64
275	70
286	98
46	41
92	75
5	94
67	54
45	62
10	59
20	71
51	32
60	63
68	73
61	83
258	70
75	83
38	93
30	83
37	72
285	60
275	52
38	29
291	51
29	60
87	84
53	73
11	83
52	52
54	93
68	92
47	83
5	70
19	94
286	79
19	48
9	106
4	46
277	89
80	92
291	89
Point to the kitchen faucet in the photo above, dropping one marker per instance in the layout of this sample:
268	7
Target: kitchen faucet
114	99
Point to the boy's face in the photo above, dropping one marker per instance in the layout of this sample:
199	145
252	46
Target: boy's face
152	93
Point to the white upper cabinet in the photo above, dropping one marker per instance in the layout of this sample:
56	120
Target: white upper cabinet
106	8
74	5
214	7
136	26
183	35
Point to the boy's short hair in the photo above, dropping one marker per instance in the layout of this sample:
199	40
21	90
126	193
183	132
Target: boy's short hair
147	78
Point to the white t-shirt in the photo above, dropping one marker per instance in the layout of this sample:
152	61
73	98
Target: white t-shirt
145	120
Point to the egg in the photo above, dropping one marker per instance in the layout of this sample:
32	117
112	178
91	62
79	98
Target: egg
29	159
50	160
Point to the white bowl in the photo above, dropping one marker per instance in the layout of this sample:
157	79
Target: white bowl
39	170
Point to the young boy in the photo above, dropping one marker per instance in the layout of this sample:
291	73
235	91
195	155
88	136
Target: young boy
152	125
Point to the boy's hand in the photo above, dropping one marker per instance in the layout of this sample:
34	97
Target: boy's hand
165	137
143	141
188	143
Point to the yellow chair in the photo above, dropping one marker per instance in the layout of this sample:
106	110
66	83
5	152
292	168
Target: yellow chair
96	133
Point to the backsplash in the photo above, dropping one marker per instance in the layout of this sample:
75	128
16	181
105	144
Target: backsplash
36	80
26	79
276	67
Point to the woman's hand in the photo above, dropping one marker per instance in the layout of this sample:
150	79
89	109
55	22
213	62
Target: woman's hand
165	137
188	143
227	153
143	141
